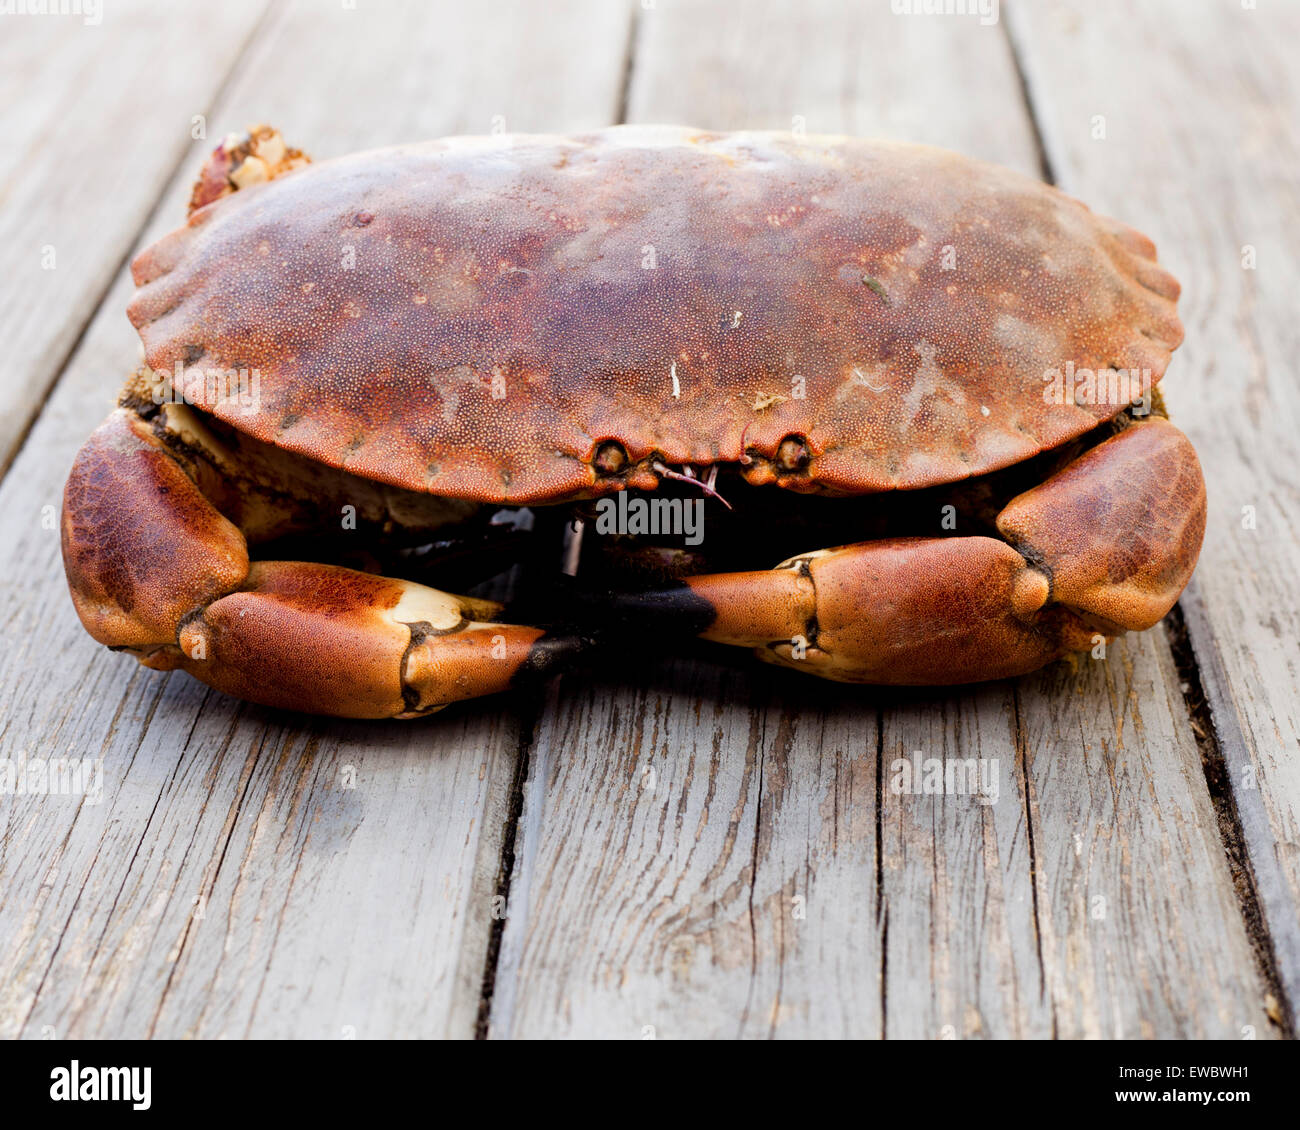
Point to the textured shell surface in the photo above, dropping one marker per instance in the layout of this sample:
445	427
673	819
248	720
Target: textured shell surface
475	317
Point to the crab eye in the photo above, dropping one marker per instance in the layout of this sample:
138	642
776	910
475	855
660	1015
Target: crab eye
793	454
611	458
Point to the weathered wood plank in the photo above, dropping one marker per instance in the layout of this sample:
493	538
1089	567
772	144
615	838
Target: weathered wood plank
1198	148
1140	930
846	70
636	909
956	875
326	909
96	118
774	882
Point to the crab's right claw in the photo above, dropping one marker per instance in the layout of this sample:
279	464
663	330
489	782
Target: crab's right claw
328	640
156	570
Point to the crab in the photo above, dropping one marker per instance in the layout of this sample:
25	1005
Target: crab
940	368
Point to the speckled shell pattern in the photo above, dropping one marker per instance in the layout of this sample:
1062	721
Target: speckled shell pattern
475	317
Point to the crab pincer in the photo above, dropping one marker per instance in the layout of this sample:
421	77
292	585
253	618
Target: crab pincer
916	611
156	570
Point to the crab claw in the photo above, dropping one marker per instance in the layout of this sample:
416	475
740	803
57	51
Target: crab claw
1104	546
900	610
329	640
156	570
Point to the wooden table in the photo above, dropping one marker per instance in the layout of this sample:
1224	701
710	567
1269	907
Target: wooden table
680	849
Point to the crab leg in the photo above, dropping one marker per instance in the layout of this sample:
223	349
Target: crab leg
244	159
157	570
1104	546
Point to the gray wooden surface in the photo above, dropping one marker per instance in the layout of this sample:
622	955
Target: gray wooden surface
683	847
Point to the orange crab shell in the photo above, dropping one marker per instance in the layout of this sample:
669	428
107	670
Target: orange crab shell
475	317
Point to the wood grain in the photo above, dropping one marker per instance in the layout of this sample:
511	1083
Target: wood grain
327	910
1200	151
773	882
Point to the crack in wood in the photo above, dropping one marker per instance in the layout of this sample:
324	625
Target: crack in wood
1046	166
1223	795
629	65
506	867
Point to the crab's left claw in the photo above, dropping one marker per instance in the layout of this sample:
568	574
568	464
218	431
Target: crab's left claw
156	570
905	611
1104	546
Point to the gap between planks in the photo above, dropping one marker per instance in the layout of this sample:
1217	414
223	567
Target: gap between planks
506	865
1218	780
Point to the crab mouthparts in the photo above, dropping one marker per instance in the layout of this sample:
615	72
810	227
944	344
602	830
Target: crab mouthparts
687	475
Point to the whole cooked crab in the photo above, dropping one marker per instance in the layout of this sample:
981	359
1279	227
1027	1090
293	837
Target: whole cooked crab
940	366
